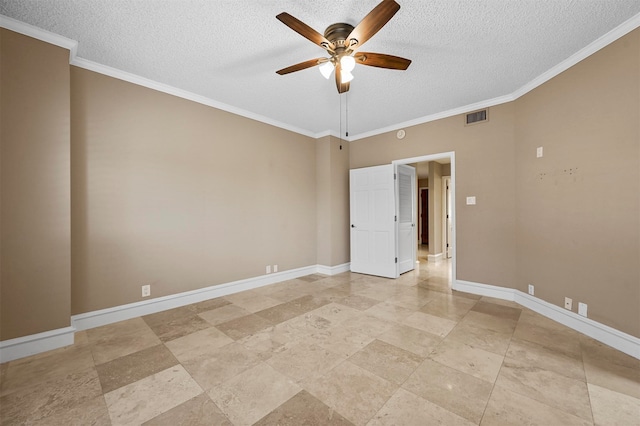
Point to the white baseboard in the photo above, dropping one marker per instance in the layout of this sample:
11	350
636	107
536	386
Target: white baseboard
132	310
434	257
333	270
21	347
603	333
33	344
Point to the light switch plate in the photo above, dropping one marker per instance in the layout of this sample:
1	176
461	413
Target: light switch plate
582	309
471	201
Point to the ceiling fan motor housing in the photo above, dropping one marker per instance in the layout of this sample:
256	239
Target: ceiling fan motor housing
338	33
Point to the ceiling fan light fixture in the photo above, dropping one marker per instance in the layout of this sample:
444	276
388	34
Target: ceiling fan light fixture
326	69
347	63
345	76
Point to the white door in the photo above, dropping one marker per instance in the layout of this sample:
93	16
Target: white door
372	211
407	235
448	222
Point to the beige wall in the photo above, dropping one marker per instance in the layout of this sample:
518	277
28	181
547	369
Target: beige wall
435	208
578	206
485	168
179	195
332	168
569	222
182	196
35	223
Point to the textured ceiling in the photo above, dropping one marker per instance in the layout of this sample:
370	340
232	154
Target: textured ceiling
464	52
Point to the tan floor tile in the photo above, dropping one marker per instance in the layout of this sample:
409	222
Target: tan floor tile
304	361
223	314
497	310
489	340
256	303
143	400
198	411
369	325
279	313
331	294
549	388
269	341
303	409
489	322
509	408
558	339
342	341
389	312
451	389
253	394
290	293
352	391
174	323
244	326
133	367
208	305
411	339
198	344
609	368
50	398
430	323
387	361
613	408
306	326
448	306
89	412
221	364
119	339
468	359
336	313
407	409
360	303
50	365
528	354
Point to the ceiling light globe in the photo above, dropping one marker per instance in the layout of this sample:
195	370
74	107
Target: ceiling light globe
347	63
346	77
326	69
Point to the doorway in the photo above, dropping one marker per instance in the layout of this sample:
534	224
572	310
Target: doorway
441	246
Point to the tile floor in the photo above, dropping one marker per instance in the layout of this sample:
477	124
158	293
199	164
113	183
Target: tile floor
347	349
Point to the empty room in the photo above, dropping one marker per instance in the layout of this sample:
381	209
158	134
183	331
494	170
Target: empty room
314	213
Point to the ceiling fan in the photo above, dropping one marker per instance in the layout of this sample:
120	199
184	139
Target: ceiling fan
341	41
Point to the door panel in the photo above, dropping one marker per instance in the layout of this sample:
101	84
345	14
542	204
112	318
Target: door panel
407	238
372	210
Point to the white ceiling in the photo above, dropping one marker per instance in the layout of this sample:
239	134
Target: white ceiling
465	53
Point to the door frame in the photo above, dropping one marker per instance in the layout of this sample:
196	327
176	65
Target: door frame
451	155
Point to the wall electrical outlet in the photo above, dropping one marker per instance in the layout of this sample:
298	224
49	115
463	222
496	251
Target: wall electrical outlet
568	303
146	290
582	309
539	152
275	268
268	269
471	201
531	289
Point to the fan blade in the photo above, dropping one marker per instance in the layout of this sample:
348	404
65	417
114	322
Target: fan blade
371	24
342	87
302	65
381	60
305	31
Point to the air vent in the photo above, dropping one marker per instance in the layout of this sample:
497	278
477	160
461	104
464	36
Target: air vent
477	117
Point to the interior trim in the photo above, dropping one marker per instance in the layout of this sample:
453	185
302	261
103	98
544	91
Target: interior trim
32	344
49	37
603	333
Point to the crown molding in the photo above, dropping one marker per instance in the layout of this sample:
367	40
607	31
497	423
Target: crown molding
40	34
600	43
55	39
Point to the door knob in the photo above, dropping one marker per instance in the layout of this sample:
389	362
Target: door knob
353	226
